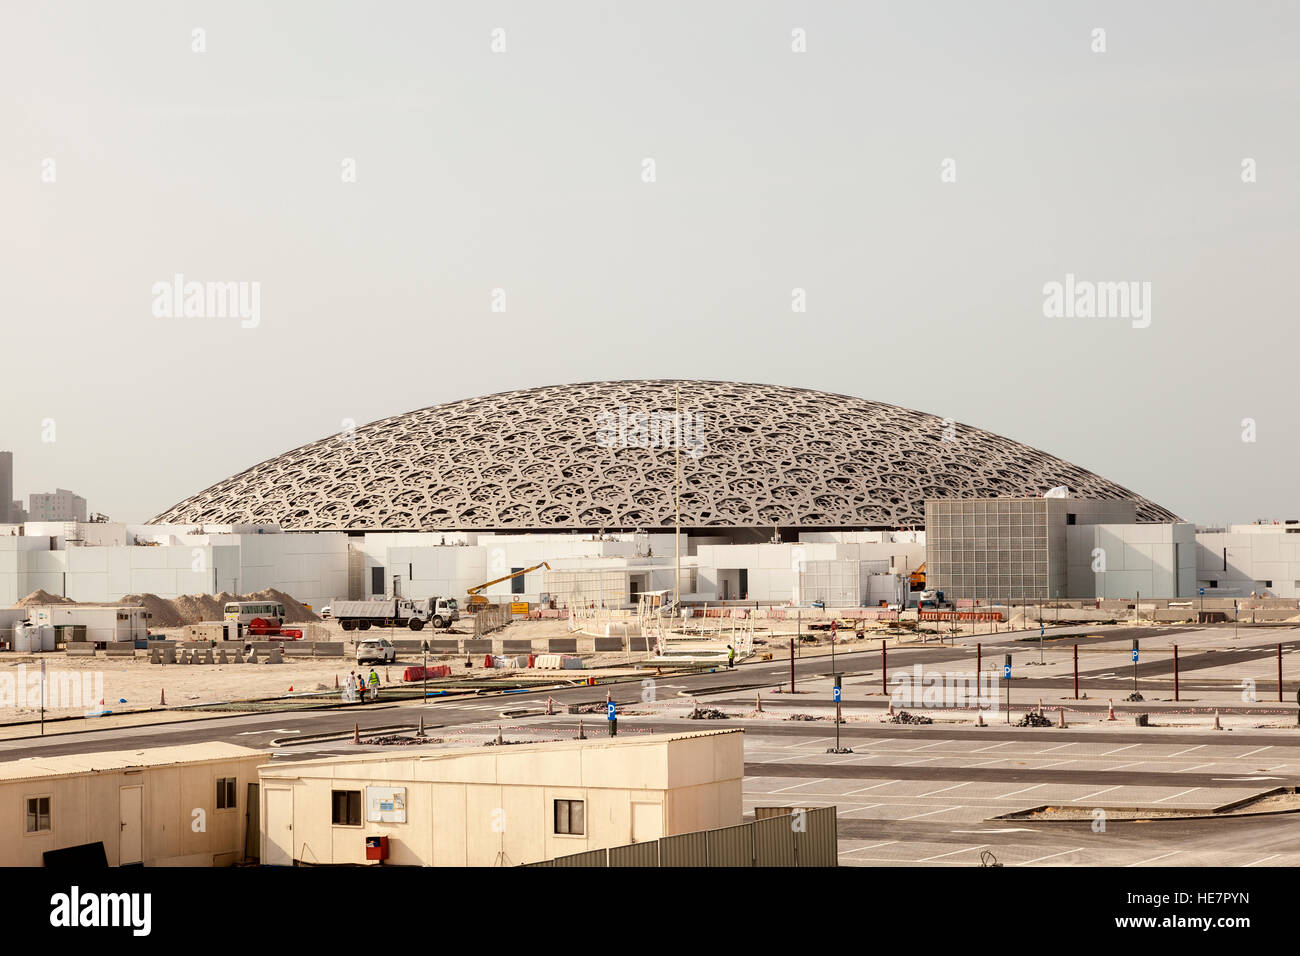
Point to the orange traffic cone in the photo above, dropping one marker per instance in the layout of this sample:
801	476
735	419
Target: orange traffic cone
1217	725
162	701
356	733
758	703
979	720
336	681
1110	714
550	706
1061	722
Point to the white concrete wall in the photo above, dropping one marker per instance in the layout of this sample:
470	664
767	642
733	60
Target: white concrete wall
1256	560
1137	559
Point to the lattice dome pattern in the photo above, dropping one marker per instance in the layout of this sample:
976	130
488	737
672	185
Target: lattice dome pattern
600	455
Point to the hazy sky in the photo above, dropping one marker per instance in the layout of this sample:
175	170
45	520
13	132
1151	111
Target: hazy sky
523	170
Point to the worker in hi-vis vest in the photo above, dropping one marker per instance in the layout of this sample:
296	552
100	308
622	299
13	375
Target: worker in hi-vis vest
373	680
731	656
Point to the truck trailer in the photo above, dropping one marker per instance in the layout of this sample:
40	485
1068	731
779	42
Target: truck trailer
438	612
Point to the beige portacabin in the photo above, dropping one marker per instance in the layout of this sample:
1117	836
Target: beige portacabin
505	805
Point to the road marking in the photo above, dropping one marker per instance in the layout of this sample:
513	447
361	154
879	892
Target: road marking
992	746
1171	796
1187	751
1057	764
1197	767
1243	779
873	846
1097	794
868	806
946	789
938	743
1239	756
913	763
1118	749
965	849
928	813
1123	765
1154	858
1049	856
1003	830
1264	860
807	783
1050	749
1014	792
872	787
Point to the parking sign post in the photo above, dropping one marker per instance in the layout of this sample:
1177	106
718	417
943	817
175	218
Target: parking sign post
1006	676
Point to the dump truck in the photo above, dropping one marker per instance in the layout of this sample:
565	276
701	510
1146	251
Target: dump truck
438	612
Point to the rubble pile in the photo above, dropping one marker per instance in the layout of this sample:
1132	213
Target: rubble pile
1034	719
903	717
706	713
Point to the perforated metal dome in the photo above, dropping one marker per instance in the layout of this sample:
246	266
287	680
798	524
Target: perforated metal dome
599	455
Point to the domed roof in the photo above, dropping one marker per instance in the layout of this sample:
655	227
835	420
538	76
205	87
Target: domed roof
600	455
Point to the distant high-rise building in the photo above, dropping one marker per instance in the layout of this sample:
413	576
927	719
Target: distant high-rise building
6	486
61	505
17	513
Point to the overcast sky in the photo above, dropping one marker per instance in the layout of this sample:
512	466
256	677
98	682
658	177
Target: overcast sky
524	170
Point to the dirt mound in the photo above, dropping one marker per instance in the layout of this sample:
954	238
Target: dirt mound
162	613
42	597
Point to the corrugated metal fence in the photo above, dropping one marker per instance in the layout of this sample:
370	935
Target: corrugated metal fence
782	837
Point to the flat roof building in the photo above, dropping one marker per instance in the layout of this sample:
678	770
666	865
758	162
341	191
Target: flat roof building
502	805
140	804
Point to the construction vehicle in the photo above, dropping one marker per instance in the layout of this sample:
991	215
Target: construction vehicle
476	598
439	612
932	600
916	580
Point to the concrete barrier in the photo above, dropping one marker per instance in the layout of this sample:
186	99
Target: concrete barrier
81	649
479	646
516	647
408	646
169	654
299	650
445	647
609	643
276	657
120	649
565	645
328	648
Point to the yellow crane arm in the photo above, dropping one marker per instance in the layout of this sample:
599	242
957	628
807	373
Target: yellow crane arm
487	584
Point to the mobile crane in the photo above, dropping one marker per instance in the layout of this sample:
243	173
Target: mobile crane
476	598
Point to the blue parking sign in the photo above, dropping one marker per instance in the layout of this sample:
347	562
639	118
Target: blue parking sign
835	692
609	710
1006	672
1135	655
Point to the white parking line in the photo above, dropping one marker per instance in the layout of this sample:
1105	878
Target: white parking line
1058	763
872	787
937	743
867	806
928	813
1187	751
1118	749
1171	796
1014	792
1260	750
858	849
992	746
965	849
1050	749
913	763
1154	858
946	789
1049	856
1197	767
807	783
1264	860
1097	794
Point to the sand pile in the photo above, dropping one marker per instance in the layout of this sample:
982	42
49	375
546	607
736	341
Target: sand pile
188	608
45	597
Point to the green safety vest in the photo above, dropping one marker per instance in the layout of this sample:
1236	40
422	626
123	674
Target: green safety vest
374	679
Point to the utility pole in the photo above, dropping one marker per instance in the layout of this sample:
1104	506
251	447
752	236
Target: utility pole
677	494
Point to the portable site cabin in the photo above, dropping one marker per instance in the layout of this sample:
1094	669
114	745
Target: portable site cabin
140	805
99	624
501	805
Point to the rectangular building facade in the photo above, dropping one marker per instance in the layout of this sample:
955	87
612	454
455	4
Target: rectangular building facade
1008	548
60	505
7	488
